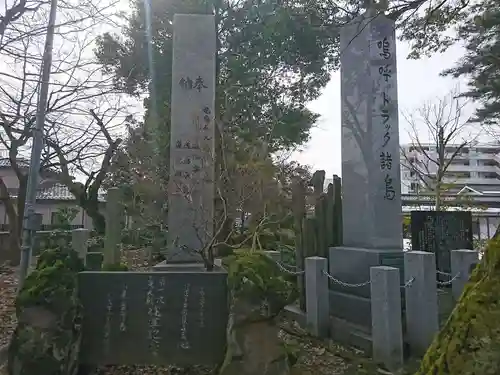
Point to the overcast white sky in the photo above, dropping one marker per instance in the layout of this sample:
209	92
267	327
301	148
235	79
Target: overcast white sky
418	82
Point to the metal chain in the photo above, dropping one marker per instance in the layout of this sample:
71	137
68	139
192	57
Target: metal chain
408	284
443	273
342	283
449	282
290	272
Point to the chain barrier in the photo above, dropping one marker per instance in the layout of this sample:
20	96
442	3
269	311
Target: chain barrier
409	283
449	282
443	273
288	269
342	283
284	268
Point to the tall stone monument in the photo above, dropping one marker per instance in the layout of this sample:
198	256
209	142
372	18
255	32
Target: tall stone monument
191	197
371	191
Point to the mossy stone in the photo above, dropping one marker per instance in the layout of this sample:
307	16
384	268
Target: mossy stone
47	337
469	343
260	291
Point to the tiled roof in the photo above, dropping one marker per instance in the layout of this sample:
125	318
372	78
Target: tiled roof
5	163
57	191
48	190
60	192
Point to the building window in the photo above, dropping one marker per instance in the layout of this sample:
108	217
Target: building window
413	187
53	218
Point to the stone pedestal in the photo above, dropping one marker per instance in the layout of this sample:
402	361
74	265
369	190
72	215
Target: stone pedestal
175	316
180	267
352	266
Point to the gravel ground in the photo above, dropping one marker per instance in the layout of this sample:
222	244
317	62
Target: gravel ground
8	283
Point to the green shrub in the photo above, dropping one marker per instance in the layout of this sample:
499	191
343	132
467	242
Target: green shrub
254	276
47	337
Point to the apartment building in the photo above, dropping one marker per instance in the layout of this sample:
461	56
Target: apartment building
475	167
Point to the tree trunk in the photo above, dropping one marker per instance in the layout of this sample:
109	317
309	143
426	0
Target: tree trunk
91	208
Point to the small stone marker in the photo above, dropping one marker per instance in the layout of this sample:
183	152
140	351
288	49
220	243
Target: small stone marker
370	139
170	318
463	263
317	304
114	222
421	300
387	328
191	186
79	238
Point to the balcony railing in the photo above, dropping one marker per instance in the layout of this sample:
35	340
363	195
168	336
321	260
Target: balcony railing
45	227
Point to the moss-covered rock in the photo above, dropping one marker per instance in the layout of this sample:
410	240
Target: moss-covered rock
469	343
254	276
259	291
47	338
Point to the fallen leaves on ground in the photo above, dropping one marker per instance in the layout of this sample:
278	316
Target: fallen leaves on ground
8	285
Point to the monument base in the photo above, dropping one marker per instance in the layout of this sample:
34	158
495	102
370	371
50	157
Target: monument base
351	265
176	316
180	267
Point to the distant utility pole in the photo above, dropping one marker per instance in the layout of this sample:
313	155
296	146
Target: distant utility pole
36	149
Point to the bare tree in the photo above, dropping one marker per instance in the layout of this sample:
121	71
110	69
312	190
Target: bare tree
83	111
248	183
89	156
442	121
13	11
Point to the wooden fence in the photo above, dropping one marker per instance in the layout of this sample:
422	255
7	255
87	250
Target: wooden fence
318	223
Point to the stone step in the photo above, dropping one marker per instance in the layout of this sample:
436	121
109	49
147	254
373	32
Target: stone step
350	334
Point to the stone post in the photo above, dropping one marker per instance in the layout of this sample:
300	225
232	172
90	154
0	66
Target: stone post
79	238
421	300
114	220
387	328
317	304
371	181
463	263
192	138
